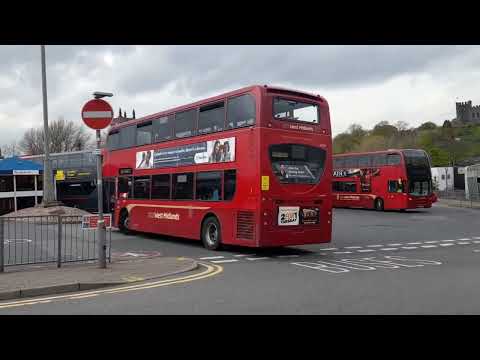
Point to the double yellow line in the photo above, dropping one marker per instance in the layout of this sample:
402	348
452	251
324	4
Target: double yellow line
210	270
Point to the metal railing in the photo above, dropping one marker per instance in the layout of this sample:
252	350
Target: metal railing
27	240
459	198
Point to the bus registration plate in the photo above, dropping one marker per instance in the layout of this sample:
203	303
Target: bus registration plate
288	215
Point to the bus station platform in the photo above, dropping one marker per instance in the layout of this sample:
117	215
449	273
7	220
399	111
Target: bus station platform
18	282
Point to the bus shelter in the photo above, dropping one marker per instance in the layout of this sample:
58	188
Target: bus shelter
21	184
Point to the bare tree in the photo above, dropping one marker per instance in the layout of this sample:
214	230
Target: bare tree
64	136
10	150
401	125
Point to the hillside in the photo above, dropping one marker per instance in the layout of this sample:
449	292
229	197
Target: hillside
452	143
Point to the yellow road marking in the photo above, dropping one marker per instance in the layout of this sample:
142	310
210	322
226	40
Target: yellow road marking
211	270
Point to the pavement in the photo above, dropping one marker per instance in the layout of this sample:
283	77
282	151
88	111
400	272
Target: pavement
22	282
459	203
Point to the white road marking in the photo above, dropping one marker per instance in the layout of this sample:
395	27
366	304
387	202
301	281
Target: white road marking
366	250
431	242
476	250
449	244
394	244
476	241
342	252
464	243
329	249
83	296
428	246
353	247
287	256
224	261
414	243
409	247
447	240
477	237
388	249
241	255
258	258
374	245
212	257
464	239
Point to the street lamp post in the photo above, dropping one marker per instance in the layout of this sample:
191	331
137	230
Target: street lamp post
47	169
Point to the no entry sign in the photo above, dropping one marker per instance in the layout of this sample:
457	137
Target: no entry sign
97	114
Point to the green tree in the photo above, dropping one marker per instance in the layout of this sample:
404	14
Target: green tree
427	126
383	128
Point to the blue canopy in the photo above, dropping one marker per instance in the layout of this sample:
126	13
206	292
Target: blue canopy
15	165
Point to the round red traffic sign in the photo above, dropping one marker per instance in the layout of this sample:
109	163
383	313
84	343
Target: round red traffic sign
97	114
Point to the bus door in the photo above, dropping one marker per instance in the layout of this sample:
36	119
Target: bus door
395	190
109	195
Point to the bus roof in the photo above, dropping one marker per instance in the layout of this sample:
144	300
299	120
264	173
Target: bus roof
212	99
373	152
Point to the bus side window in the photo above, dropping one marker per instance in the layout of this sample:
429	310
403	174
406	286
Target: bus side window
141	187
211	118
209	185
393	159
161	186
144	133
128	136
364	161
162	128
229	184
351	162
182	186
338	163
241	111
379	160
113	140
185	123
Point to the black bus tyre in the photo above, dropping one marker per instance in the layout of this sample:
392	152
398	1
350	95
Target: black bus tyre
211	233
379	204
123	222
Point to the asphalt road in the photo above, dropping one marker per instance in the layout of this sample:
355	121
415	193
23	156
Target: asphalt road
418	262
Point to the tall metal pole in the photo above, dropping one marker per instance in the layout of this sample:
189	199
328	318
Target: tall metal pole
102	244
47	170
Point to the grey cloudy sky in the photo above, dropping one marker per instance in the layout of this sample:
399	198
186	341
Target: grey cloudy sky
363	84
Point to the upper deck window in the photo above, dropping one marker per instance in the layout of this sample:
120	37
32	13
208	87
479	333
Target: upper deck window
162	128
185	123
211	118
379	160
113	140
285	109
144	133
127	136
393	159
241	111
338	162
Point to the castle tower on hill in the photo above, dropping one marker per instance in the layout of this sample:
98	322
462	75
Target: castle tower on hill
467	113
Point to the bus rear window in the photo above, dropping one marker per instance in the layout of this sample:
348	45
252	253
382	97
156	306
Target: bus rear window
284	109
298	164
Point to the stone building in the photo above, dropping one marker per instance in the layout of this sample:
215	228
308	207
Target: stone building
467	113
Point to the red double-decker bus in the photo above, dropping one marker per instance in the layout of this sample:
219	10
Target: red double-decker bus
250	167
390	180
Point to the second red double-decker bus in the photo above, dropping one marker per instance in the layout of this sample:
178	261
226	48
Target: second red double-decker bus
390	180
251	167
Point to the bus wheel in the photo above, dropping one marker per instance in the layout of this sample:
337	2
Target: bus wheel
378	204
211	233
123	222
